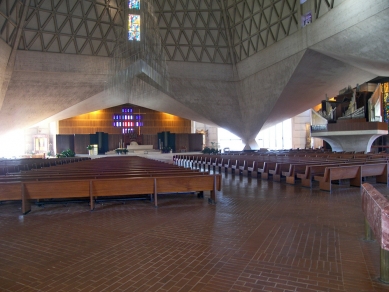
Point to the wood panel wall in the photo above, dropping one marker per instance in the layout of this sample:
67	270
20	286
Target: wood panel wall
113	141
81	141
151	140
64	142
101	121
195	142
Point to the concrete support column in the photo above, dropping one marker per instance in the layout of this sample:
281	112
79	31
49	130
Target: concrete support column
345	141
4	57
250	144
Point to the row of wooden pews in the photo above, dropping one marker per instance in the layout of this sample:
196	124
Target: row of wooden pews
23	164
105	177
308	167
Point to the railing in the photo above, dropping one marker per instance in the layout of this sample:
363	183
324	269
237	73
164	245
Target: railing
319	128
355	126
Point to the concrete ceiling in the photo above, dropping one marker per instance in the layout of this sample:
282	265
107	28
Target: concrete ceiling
242	65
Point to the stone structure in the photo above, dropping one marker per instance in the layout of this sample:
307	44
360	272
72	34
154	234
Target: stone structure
241	65
352	126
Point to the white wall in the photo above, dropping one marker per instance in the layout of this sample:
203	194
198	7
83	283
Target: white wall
48	131
210	133
299	130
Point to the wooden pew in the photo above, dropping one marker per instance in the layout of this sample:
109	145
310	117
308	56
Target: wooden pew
116	187
82	182
278	170
234	166
120	187
210	183
264	170
252	170
220	164
245	164
50	190
310	172
10	191
379	171
351	172
91	175
294	169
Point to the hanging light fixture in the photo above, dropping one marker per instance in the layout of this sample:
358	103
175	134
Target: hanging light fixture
138	63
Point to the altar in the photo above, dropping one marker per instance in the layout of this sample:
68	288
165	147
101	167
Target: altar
135	147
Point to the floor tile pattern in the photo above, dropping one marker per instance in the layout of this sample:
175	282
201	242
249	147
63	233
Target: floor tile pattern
260	236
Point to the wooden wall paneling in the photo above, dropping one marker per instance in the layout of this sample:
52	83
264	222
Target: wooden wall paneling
151	140
182	142
172	141
80	143
104	140
195	142
64	142
101	121
114	140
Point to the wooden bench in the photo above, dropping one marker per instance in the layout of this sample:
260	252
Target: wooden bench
93	189
311	171
278	171
354	173
246	165
234	166
264	170
252	170
85	182
294	170
220	164
72	188
351	172
91	175
377	170
24	164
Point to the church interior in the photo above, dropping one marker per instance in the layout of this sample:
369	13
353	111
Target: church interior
194	145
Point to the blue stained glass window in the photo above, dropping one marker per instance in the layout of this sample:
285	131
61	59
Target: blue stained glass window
134	4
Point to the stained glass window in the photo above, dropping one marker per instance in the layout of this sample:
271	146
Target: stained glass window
133	27
134	4
386	101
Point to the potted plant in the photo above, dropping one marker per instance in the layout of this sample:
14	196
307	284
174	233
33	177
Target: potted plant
120	151
90	149
167	149
66	153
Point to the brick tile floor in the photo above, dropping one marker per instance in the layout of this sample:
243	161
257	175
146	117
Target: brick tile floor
261	236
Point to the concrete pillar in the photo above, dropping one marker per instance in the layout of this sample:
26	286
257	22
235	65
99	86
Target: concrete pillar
347	142
5	51
250	144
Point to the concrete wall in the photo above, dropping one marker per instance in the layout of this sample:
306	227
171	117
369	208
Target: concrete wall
299	129
38	132
211	133
5	51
